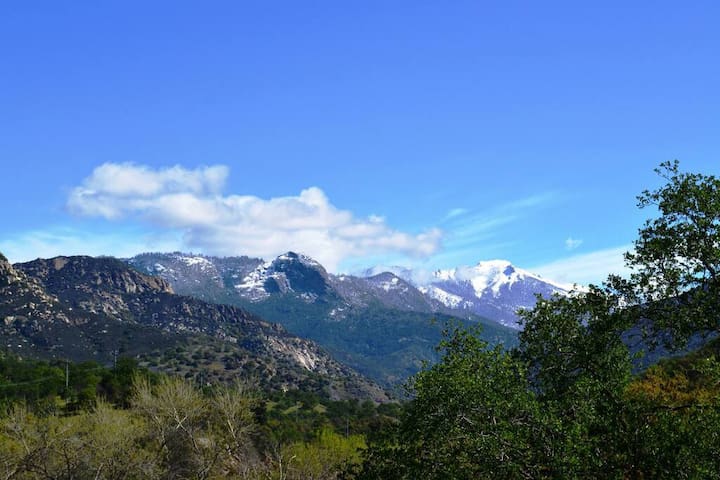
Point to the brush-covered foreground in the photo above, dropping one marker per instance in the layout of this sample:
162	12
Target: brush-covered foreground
127	422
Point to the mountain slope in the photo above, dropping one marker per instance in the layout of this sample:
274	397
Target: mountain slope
93	308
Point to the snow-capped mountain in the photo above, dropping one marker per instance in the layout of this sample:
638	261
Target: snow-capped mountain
493	289
383	325
290	272
208	278
378	322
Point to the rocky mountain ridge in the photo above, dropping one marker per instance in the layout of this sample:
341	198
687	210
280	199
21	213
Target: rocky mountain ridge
382	325
493	289
85	308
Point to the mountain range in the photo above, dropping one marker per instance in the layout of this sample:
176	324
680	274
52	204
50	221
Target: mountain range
288	322
382	322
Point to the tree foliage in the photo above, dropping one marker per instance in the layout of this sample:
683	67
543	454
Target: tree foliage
676	259
472	416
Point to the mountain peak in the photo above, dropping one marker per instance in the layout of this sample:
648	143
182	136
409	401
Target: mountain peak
300	258
289	272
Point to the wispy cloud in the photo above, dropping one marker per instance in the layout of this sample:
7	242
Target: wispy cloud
572	243
191	201
464	228
587	268
531	201
455	212
478	227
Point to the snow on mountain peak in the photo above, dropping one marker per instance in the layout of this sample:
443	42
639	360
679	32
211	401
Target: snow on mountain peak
298	257
490	276
493	274
492	288
289	256
289	272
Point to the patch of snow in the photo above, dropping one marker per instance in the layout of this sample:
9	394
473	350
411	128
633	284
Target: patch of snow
447	299
253	283
201	261
308	297
389	285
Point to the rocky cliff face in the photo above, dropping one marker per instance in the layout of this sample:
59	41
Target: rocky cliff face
23	298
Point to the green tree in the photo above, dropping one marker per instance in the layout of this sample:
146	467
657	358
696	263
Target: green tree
323	458
472	416
675	282
579	369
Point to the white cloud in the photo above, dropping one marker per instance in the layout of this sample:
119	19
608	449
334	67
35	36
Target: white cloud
117	189
572	243
587	268
191	201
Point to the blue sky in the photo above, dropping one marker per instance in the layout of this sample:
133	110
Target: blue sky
430	134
